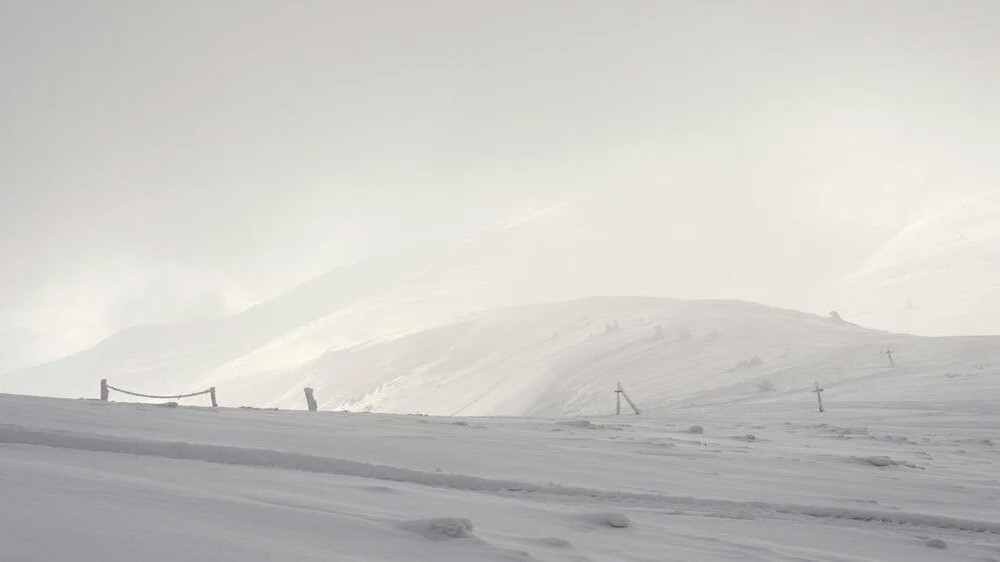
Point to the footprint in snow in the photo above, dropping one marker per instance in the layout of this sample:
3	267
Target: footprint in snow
440	529
881	461
611	519
553	542
936	543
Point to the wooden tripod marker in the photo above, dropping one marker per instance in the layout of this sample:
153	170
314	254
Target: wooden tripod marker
819	396
619	392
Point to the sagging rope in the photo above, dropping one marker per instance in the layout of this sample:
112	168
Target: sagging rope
105	387
177	396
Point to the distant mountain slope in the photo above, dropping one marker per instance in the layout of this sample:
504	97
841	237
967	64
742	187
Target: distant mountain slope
423	288
531	260
570	250
940	275
176	356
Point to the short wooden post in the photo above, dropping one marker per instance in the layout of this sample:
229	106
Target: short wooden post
211	392
310	400
104	390
888	353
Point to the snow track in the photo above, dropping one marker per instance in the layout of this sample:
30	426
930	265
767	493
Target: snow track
269	458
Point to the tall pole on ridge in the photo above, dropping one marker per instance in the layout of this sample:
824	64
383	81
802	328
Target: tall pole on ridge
618	400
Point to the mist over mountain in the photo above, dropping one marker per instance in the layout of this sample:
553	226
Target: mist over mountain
616	243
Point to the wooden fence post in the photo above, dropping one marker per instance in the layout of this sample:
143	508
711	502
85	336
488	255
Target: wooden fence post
211	392
104	390
310	400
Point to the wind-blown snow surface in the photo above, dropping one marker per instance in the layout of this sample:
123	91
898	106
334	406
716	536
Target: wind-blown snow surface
763	480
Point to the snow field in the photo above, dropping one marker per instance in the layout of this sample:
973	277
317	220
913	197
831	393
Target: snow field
84	480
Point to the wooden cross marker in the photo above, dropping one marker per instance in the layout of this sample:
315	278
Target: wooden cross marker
619	392
888	353
819	396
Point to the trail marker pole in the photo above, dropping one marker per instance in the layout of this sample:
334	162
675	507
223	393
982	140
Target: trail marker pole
888	353
310	400
619	392
819	396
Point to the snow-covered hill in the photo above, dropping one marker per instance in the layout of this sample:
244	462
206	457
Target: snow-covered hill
556	359
566	358
756	480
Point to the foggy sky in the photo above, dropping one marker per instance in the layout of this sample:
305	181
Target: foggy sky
175	160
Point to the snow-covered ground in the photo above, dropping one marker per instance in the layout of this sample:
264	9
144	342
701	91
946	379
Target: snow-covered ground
761	478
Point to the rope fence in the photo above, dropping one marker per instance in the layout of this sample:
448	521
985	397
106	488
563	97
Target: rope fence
312	405
106	388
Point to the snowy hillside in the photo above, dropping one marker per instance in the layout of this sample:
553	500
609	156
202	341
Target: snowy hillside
555	359
566	358
754	481
939	275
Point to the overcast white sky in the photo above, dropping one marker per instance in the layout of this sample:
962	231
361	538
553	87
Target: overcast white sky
172	160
